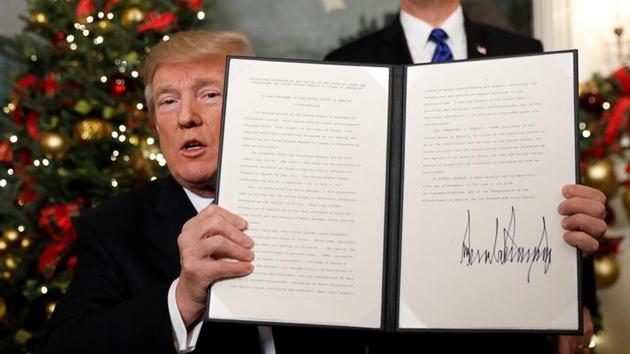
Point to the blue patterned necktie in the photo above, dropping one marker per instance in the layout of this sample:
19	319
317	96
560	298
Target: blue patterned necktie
442	51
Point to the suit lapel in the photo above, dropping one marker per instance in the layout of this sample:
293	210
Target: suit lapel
394	49
169	208
475	40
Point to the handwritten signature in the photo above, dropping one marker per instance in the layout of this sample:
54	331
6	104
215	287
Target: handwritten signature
510	252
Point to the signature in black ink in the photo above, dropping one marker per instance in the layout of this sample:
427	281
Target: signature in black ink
510	252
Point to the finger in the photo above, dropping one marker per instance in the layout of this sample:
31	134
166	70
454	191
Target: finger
217	225
592	226
581	240
581	191
226	269
579	205
232	218
221	247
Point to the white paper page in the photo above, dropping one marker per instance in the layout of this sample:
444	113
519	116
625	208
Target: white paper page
304	162
488	146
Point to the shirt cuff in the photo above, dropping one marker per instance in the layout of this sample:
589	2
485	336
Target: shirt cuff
185	340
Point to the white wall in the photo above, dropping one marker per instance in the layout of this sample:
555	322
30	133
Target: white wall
586	25
10	23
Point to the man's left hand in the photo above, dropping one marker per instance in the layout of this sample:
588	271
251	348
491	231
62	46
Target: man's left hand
577	344
584	210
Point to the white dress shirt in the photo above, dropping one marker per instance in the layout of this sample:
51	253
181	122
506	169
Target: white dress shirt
186	340
417	35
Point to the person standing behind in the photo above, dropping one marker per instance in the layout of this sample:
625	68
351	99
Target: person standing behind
436	31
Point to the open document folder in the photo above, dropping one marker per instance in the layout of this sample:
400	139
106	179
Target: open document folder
406	198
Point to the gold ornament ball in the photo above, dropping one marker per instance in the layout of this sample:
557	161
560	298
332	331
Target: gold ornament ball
3	245
606	271
6	275
131	15
25	242
54	144
103	25
3	308
600	174
39	18
91	129
11	235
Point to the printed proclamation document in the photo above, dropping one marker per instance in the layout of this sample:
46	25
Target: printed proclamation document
411	198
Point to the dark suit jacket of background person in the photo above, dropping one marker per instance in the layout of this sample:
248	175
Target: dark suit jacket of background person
127	259
389	46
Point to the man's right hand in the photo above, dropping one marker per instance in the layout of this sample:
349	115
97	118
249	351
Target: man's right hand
204	244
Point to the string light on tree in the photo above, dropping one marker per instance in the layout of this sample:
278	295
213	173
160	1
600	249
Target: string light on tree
50	308
11	235
10	262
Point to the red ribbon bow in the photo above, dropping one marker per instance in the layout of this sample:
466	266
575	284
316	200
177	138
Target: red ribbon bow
615	120
56	221
622	75
157	21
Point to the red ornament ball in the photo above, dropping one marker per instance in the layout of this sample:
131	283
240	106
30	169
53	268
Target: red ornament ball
58	38
592	102
118	85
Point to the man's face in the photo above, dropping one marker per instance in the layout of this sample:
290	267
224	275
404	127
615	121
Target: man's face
187	98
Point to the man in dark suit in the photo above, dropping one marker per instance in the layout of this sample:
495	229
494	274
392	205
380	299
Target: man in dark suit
146	258
390	45
410	39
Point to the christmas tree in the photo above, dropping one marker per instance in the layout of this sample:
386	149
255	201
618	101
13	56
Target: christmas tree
605	141
74	131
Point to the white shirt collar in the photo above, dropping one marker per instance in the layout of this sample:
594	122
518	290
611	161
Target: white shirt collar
198	201
417	35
